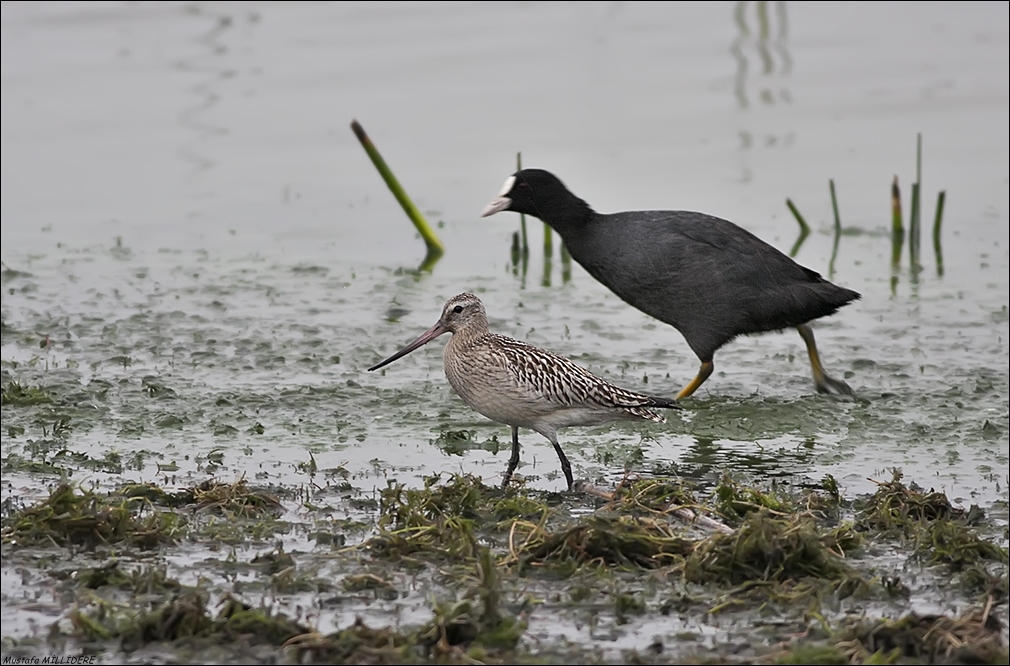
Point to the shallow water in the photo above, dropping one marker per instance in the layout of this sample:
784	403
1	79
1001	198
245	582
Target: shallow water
190	223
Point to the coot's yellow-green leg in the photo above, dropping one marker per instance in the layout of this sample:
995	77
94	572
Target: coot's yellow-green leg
823	382
704	373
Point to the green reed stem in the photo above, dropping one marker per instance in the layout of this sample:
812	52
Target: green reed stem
937	222
435	247
804	228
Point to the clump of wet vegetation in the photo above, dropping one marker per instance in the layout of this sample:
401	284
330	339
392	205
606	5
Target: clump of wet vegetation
493	567
235	499
470	628
13	393
184	616
976	637
939	532
769	548
73	516
617	541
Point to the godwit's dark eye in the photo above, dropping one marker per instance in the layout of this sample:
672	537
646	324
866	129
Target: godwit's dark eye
458	309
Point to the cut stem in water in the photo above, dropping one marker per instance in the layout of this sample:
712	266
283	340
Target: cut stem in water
937	246
804	228
522	216
434	245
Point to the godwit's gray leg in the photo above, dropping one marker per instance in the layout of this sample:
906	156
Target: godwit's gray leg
566	466
823	382
514	460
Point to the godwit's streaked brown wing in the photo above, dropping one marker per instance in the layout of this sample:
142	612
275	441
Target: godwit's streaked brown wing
566	384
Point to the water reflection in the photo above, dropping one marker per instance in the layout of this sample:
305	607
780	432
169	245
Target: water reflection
196	116
915	224
709	457
771	51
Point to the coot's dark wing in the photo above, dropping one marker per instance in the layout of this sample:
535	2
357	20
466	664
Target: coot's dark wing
709	278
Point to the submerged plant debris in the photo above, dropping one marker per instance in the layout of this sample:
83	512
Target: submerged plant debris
72	516
493	568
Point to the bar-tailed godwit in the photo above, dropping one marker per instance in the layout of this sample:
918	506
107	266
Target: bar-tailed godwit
524	386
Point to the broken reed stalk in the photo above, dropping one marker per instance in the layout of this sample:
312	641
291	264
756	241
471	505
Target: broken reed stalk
937	221
522	216
548	239
566	263
804	228
834	206
914	232
915	214
897	227
918	158
435	247
838	228
520	242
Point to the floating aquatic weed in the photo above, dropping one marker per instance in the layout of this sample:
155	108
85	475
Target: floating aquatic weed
622	541
138	580
400	507
951	543
357	644
88	519
185	620
274	561
458	442
16	394
823	498
474	620
110	463
941	533
654	495
293	581
18	463
446	518
227	499
156	494
441	518
626	604
461	496
734	501
791	561
183	616
372	582
237	617
766	548
231	499
665	497
518	506
976	637
895	505
977	579
473	629
812	654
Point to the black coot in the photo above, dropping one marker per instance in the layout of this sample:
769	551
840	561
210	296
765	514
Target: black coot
705	276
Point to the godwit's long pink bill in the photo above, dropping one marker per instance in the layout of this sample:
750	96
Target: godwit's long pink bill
426	337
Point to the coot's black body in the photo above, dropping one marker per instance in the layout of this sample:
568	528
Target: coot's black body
705	276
